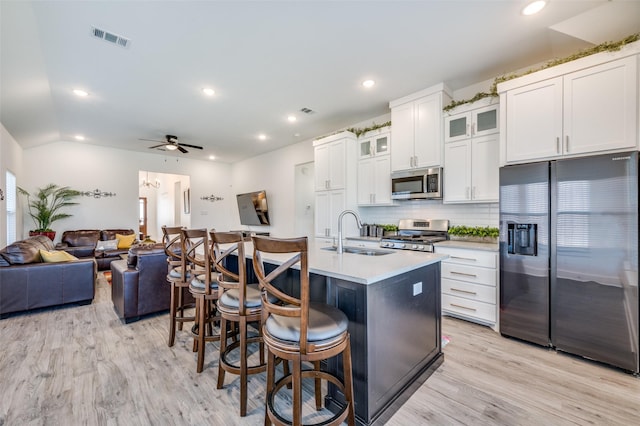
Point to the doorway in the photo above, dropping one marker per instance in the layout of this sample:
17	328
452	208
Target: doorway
164	201
142	218
304	199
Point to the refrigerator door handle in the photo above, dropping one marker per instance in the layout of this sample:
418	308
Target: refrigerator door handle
557	145
566	144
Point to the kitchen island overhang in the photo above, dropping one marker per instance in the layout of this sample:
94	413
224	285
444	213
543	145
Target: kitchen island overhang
393	306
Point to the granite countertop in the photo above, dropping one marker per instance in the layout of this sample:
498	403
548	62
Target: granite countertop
468	245
357	267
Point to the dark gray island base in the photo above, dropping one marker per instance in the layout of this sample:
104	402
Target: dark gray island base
396	343
396	340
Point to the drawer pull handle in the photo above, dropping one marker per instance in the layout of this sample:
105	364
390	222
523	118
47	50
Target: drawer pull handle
463	258
463	273
463	291
463	307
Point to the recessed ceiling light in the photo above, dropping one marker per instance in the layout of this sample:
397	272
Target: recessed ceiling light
212	157
297	135
208	91
292	118
79	137
80	93
534	7
262	137
368	83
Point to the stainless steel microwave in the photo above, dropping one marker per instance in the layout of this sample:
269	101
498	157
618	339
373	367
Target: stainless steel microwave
425	184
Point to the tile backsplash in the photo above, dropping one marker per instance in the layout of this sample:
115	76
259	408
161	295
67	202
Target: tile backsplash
483	214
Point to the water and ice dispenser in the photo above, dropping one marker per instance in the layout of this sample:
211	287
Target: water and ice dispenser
523	239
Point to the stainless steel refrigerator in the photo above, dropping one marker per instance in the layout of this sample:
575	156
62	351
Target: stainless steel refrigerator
569	256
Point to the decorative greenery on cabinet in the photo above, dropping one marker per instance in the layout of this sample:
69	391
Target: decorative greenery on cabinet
608	46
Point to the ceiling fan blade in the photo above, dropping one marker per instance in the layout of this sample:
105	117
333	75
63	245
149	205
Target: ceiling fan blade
152	140
157	146
182	150
191	146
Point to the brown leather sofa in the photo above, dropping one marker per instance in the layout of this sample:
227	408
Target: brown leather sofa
82	243
26	282
139	284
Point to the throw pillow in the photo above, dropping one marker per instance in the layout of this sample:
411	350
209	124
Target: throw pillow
56	256
107	245
125	241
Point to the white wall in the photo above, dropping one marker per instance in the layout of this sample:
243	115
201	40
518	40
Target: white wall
10	160
275	173
88	167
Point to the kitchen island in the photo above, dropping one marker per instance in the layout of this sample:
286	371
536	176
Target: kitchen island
393	305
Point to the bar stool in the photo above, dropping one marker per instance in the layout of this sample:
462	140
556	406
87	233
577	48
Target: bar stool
239	304
297	330
178	278
203	286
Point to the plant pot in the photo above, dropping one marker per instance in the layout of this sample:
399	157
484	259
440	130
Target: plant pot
49	234
473	239
390	233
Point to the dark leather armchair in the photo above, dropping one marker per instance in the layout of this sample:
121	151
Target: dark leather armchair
139	284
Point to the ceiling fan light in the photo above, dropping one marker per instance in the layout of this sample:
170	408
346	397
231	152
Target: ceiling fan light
171	147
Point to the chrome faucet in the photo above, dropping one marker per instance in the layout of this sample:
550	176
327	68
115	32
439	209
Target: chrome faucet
339	249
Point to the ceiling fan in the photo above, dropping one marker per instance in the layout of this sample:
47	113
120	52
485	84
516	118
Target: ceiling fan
171	144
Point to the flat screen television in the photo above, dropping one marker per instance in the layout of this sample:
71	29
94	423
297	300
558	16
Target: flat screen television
253	208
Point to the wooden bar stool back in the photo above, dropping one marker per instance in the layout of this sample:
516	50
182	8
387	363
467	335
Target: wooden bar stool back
238	303
203	286
297	330
177	276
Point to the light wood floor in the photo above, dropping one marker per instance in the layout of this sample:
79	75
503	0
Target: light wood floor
81	365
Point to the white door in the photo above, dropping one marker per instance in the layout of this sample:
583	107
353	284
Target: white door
600	109
485	168
337	158
304	199
321	157
457	172
427	145
403	133
534	121
366	175
382	180
322	212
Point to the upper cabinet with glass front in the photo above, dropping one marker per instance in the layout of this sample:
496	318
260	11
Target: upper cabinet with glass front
374	143
477	122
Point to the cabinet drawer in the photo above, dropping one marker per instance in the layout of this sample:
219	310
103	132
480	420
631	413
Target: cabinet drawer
469	308
482	293
470	274
486	259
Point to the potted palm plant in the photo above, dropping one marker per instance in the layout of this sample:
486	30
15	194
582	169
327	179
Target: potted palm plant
44	207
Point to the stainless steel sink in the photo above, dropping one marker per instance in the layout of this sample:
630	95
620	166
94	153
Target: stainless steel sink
360	250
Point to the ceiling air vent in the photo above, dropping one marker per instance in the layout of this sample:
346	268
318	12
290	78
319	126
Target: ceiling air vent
307	111
110	37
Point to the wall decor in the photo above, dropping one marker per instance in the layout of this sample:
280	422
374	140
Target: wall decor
96	193
211	198
1	195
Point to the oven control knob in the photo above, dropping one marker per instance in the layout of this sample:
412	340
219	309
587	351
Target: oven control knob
415	247
420	247
402	245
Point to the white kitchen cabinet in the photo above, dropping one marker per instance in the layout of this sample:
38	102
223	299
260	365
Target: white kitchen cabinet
374	181
330	162
469	281
374	170
329	205
335	182
417	129
592	109
471	170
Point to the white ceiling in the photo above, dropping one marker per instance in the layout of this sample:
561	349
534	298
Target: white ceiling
265	59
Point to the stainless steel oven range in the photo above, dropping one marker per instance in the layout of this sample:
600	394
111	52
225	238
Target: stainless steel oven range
417	234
